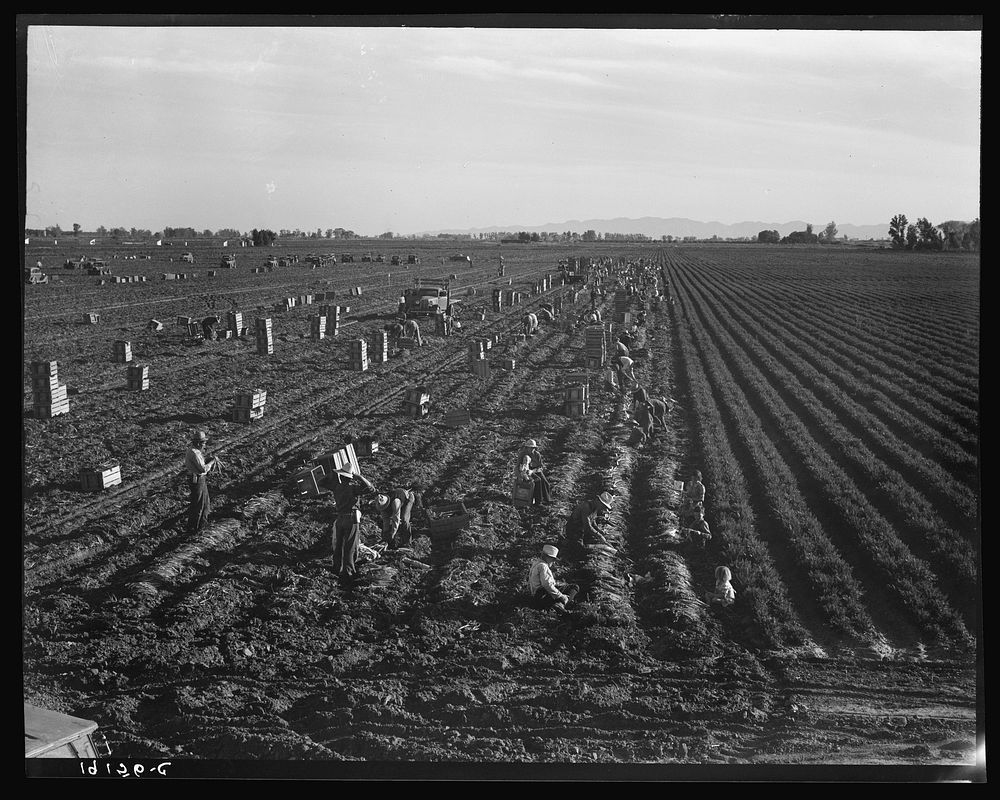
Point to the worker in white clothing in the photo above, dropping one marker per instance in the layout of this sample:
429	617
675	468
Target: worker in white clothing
542	586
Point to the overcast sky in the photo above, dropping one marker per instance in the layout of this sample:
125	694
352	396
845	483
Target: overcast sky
411	129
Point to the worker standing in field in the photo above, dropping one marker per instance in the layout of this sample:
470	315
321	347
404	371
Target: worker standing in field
694	494
412	330
542	587
581	527
347	494
197	469
394	508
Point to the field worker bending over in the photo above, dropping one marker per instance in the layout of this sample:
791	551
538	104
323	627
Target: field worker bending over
197	470
581	526
542	586
621	349
394	330
208	327
644	422
412	330
694	493
724	594
545	315
347	494
395	508
659	406
625	369
530	324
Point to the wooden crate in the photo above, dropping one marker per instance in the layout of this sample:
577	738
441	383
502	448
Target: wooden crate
265	346
415	410
137	386
593	362
263	325
234	321
91	318
122	352
44	369
47	411
508	364
457	418
247	414
366	447
575	394
417	394
522	494
448	518
407	342
51	396
44	383
95	479
309	482
194	329
251	398
359	364
575	409
184	321
346	458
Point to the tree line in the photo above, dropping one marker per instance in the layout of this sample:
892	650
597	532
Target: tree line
924	235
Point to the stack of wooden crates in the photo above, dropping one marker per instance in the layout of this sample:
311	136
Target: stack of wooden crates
265	338
576	395
122	352
332	315
380	350
416	401
137	378
595	346
249	405
317	327
50	396
359	355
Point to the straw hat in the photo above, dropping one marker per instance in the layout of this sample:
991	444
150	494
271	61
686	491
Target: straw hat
550	551
531	443
605	499
200	437
381	501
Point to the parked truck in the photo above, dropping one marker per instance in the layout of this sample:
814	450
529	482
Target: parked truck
426	301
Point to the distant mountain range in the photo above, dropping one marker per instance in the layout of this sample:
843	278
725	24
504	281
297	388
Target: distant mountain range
679	227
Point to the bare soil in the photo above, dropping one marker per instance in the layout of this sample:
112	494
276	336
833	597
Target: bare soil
238	647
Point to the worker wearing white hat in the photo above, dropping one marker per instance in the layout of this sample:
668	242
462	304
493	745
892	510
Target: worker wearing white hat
347	493
534	470
394	508
542	586
581	526
197	470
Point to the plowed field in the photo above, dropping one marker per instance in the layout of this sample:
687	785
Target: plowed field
853	643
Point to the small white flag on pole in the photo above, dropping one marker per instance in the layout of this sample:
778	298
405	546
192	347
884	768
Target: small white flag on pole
93	241
225	243
159	242
25	241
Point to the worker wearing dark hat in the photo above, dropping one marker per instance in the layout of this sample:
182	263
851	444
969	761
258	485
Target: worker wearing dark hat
581	527
347	494
197	470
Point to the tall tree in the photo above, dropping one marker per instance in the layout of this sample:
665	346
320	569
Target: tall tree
829	232
928	236
897	231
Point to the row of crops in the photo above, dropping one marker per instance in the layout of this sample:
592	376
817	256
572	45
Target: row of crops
835	407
